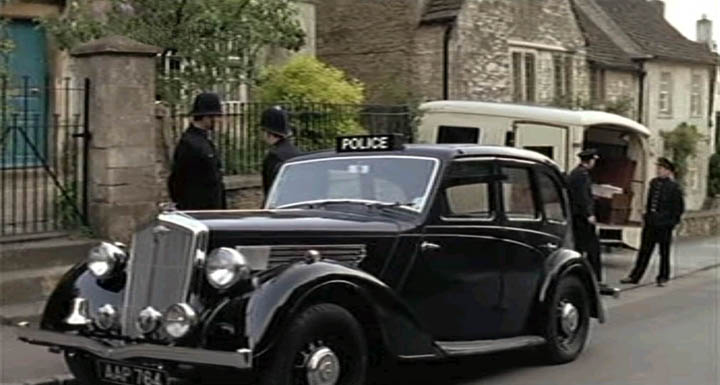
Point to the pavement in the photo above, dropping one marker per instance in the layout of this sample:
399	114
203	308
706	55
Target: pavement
687	256
20	362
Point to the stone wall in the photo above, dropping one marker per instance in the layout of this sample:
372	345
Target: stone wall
486	33
370	41
243	192
700	224
621	85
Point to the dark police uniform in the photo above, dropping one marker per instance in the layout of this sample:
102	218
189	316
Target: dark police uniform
583	207
665	205
275	120
196	180
276	156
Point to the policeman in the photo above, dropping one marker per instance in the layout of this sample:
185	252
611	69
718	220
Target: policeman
665	205
583	212
196	180
276	124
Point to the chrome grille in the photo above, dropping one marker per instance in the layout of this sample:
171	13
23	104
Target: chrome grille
161	267
285	254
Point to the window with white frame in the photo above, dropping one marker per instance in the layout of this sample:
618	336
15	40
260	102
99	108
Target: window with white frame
523	71
665	98
696	99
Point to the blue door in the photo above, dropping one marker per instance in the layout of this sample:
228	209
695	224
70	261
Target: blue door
24	124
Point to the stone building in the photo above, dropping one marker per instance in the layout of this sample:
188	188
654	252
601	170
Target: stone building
639	61
524	51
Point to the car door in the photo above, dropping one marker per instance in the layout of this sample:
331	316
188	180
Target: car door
531	236
455	283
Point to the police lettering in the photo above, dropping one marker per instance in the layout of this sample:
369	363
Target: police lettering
365	143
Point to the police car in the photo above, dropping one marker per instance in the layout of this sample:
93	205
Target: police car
372	253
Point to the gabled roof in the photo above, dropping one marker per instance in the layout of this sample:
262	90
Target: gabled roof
438	11
644	24
600	47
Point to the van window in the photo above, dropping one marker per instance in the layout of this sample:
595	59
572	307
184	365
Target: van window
457	134
518	194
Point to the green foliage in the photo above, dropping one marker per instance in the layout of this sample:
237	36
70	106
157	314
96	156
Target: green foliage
6	46
714	175
680	146
216	42
305	81
621	106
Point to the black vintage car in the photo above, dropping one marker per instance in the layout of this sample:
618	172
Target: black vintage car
372	253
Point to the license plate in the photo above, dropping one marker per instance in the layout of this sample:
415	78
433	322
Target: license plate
124	374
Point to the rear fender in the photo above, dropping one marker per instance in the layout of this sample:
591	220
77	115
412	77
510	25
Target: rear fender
275	303
569	262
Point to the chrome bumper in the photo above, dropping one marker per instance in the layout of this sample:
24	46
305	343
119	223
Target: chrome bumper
241	359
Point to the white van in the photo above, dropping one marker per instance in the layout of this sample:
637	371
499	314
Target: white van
621	174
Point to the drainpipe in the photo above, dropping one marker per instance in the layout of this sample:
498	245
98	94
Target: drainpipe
446	61
641	94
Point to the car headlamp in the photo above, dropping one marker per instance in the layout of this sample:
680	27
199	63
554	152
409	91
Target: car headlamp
179	319
104	258
225	267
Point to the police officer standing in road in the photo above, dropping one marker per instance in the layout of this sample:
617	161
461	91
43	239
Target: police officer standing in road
583	213
196	180
665	205
276	124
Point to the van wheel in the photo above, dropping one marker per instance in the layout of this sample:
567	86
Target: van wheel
324	345
567	321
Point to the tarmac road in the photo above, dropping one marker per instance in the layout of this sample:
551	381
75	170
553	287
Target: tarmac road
657	336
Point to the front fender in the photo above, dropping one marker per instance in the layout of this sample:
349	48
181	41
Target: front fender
273	304
79	282
564	262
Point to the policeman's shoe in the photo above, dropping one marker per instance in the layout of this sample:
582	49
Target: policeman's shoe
608	290
661	282
629	280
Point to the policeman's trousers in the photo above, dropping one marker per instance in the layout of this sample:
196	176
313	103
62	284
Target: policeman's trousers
652	235
586	241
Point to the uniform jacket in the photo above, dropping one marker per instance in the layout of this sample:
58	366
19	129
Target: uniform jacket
665	203
196	180
276	156
579	187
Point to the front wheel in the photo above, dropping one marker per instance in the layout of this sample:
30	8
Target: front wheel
567	321
324	345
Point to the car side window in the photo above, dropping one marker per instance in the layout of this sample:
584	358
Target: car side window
517	193
551	198
468	190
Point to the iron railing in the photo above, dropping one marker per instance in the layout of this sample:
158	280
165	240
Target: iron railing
239	138
43	147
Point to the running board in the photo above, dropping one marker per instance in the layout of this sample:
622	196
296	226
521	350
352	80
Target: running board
463	348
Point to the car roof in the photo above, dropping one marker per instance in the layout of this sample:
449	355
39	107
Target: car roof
441	151
538	113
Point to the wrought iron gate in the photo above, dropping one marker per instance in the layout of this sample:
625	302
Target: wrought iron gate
44	139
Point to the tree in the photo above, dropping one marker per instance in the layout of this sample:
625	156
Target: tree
680	145
6	46
205	43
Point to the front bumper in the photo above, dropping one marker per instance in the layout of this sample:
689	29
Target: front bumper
240	359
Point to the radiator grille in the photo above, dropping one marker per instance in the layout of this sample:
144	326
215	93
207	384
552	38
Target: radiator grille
161	269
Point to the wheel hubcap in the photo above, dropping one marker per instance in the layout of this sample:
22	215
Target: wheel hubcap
569	318
322	367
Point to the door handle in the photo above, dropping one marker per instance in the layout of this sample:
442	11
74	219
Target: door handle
550	246
428	246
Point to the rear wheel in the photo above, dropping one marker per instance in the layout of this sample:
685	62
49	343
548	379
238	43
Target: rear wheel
567	321
324	345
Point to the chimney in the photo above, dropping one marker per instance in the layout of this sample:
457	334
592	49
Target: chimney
704	31
659	6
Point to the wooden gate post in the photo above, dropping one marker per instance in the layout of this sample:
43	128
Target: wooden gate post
124	186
